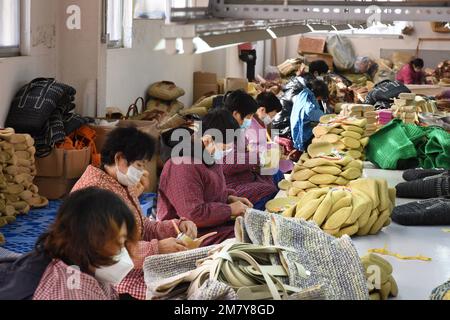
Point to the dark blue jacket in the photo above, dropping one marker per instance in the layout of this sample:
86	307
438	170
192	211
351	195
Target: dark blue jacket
20	277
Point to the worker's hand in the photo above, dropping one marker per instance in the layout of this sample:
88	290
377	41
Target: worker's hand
145	180
139	189
294	155
171	245
189	228
238	209
233	199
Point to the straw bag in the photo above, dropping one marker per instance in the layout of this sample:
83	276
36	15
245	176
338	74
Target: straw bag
134	113
170	108
165	90
331	263
246	268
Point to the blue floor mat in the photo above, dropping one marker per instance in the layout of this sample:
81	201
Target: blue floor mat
21	235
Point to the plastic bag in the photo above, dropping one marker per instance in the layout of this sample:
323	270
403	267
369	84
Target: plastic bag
362	65
341	49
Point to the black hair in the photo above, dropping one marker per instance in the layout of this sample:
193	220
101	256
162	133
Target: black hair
220	119
319	88
418	63
86	223
241	102
134	144
269	101
319	66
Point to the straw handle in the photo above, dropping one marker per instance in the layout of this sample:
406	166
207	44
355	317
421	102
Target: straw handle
176	227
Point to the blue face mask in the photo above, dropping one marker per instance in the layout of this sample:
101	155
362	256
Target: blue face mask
247	123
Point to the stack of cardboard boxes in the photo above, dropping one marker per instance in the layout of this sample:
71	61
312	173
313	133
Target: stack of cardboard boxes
314	49
207	84
58	172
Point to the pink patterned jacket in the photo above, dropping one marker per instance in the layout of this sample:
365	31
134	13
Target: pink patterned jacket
150	231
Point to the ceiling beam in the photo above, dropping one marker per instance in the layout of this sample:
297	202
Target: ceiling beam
332	10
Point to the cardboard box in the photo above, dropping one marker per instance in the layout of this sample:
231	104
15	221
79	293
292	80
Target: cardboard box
232	84
67	164
52	165
101	132
311	45
54	188
202	89
205	77
204	82
328	58
221	86
440	27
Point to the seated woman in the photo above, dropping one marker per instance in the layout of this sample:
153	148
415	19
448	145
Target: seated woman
412	73
243	170
192	183
306	114
268	106
124	155
83	255
260	136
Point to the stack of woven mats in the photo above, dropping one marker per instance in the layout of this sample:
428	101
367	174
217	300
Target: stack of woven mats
397	142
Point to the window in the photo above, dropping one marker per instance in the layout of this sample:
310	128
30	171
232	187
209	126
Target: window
9	28
119	23
115	23
156	9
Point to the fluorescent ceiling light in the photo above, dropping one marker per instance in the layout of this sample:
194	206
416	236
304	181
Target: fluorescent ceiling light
179	46
235	38
161	45
272	34
341	27
321	27
281	32
202	47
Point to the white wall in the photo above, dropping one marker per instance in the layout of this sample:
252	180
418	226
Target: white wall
72	56
80	53
224	62
41	61
372	47
131	71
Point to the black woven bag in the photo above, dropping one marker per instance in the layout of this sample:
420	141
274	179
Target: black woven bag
35	102
385	91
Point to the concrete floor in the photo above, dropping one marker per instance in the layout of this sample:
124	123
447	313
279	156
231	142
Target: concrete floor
416	279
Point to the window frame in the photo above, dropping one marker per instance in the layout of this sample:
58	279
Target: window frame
14	50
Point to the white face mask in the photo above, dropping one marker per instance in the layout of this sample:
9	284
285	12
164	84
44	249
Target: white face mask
132	177
267	120
116	273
